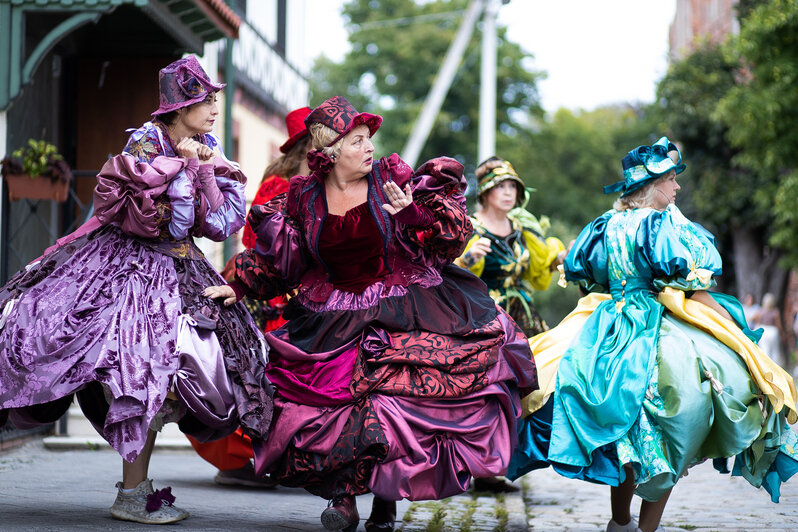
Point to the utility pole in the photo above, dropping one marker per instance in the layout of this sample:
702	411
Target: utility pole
441	85
487	92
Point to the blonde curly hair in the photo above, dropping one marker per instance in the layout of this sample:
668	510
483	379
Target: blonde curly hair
640	198
321	136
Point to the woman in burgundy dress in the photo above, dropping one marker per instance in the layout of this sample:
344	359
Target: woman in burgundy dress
396	373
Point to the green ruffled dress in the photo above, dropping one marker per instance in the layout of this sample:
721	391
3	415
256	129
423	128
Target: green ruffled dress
639	385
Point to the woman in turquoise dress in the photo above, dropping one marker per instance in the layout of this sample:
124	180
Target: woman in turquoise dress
652	373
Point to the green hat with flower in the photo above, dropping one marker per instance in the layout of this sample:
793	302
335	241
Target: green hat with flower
502	171
645	164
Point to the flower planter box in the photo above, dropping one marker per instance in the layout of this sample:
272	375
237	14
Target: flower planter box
38	188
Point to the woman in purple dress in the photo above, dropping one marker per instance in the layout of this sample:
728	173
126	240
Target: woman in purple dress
114	313
396	373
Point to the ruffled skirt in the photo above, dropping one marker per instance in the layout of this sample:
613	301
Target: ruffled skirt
408	398
121	323
700	402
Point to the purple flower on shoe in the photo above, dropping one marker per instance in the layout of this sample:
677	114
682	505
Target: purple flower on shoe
157	499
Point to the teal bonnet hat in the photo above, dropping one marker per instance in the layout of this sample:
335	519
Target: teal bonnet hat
645	164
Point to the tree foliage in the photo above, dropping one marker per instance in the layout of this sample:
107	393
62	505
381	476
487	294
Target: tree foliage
397	47
761	112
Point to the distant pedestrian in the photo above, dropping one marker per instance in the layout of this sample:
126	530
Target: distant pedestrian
652	373
114	314
396	372
750	308
768	318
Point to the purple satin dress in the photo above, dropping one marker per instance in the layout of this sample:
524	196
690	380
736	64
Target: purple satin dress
114	313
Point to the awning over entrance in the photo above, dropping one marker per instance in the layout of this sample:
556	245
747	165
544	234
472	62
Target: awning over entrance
29	29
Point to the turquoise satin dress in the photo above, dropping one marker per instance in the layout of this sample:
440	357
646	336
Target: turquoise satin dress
640	386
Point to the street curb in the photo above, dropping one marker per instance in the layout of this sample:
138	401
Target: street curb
72	443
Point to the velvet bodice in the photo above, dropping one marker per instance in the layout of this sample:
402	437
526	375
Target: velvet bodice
351	247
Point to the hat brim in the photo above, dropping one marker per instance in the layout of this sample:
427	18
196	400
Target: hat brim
288	144
496	181
626	189
175	106
372	121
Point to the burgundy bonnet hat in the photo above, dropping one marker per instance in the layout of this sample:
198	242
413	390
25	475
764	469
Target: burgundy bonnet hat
295	122
183	83
340	116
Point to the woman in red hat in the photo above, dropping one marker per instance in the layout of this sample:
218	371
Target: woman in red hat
233	455
396	372
113	313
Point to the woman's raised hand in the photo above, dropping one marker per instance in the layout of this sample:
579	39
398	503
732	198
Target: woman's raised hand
479	249
225	291
187	147
205	153
398	199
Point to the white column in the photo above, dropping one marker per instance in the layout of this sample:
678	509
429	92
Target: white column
440	86
487	92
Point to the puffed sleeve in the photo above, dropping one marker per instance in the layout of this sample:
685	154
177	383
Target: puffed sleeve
586	263
268	189
127	190
542	253
278	261
438	187
681	254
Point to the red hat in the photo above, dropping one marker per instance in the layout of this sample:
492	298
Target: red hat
295	122
340	116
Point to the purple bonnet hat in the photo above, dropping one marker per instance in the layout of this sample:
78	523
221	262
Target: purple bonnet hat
183	83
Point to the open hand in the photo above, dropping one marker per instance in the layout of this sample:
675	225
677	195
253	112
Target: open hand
399	200
225	291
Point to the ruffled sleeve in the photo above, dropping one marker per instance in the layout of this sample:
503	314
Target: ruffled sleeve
586	263
127	190
268	189
277	262
208	200
681	254
438	187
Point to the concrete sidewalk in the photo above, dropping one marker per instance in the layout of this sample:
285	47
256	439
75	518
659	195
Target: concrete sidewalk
59	490
72	490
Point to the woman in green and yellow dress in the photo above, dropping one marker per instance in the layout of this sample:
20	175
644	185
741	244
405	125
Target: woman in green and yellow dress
509	250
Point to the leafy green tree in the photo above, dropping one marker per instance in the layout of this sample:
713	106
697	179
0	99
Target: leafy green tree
761	112
397	47
719	190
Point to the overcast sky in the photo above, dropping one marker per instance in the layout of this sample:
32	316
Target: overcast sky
594	52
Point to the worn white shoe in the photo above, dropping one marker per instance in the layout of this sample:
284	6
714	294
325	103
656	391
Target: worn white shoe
133	506
631	526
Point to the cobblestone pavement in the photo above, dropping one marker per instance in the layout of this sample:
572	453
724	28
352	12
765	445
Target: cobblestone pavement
43	490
